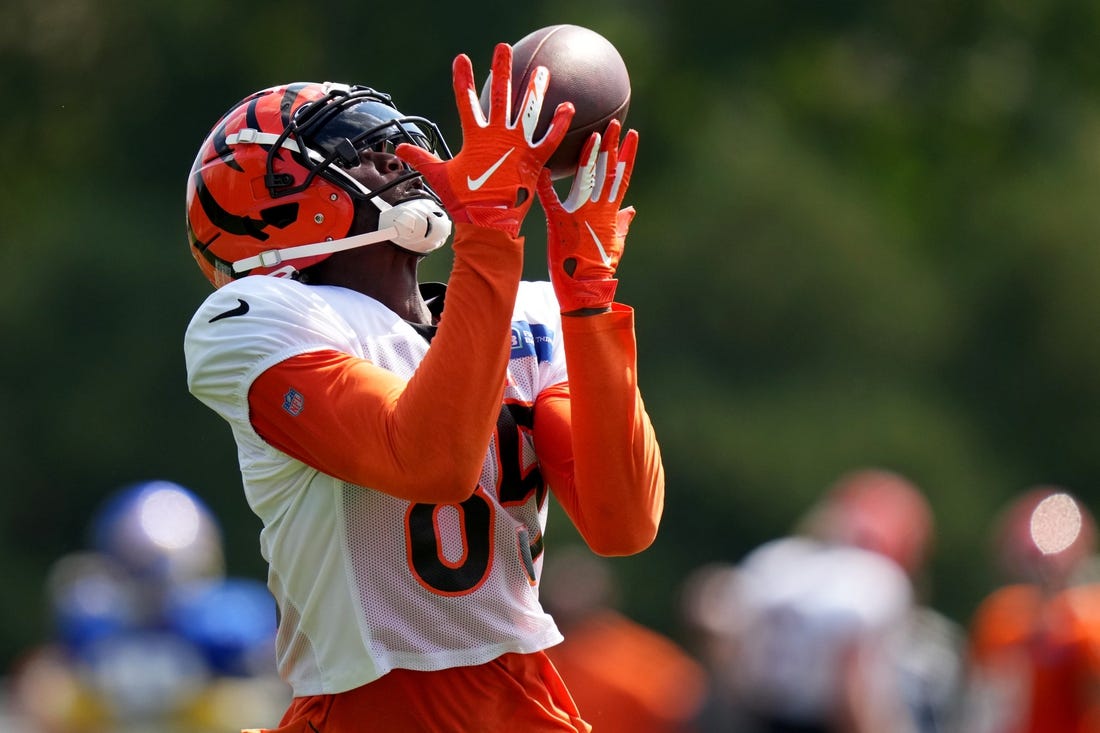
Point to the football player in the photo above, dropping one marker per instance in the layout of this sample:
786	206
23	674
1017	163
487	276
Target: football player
822	620
1035	640
398	440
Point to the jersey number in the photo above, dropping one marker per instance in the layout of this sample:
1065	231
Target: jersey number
475	515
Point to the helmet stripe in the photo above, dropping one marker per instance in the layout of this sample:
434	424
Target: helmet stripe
290	96
226	221
222	149
251	118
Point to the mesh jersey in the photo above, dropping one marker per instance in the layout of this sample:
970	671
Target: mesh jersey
803	604
366	582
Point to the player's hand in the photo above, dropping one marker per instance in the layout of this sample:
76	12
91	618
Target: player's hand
586	233
491	181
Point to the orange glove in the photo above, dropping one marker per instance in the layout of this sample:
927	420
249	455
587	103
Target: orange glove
491	181
586	233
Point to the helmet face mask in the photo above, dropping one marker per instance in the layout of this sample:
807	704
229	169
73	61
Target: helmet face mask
271	178
341	125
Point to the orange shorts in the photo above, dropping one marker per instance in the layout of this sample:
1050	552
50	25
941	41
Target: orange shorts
515	692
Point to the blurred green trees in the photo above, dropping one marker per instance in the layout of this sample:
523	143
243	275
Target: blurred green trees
865	236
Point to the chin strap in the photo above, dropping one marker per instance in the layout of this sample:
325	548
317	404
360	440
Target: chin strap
419	225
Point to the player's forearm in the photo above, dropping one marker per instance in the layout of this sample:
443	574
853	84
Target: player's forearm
618	472
448	411
425	439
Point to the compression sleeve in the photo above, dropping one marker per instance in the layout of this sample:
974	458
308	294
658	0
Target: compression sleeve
423	440
595	442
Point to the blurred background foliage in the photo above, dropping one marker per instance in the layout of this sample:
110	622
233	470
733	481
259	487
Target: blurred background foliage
866	236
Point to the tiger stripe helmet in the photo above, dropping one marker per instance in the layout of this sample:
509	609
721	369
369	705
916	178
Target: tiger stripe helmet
270	176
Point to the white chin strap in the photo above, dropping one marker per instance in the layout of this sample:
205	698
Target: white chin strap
418	225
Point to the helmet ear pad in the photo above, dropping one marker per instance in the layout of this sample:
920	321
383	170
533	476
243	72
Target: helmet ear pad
323	211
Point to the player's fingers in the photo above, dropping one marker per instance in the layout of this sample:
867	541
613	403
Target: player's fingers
611	137
469	109
624	166
590	149
559	125
533	98
629	148
500	84
415	156
585	178
622	222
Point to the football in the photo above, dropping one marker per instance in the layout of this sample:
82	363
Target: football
585	69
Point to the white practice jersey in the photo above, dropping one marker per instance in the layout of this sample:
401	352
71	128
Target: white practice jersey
366	582
802	604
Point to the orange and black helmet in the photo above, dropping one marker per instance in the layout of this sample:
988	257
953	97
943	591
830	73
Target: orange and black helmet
270	176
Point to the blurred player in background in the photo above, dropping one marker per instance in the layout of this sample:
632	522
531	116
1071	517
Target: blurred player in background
824	621
148	633
710	620
625	677
1035	642
398	450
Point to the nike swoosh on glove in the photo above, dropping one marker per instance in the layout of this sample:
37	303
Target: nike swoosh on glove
586	233
492	179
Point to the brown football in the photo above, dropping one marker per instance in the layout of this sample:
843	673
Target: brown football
585	69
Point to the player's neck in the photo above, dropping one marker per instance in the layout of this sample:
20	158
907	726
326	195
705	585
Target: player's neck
387	274
411	307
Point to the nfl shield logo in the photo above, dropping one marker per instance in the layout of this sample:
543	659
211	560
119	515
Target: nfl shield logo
293	402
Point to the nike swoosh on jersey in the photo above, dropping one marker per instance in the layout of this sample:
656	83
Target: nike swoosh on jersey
599	246
476	183
240	310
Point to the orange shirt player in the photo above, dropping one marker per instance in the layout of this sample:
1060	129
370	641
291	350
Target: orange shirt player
1035	642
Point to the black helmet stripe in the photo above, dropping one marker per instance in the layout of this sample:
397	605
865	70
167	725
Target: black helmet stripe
203	248
278	216
250	118
222	149
290	96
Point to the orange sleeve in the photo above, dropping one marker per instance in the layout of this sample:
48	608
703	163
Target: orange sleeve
626	677
1003	621
594	439
423	440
